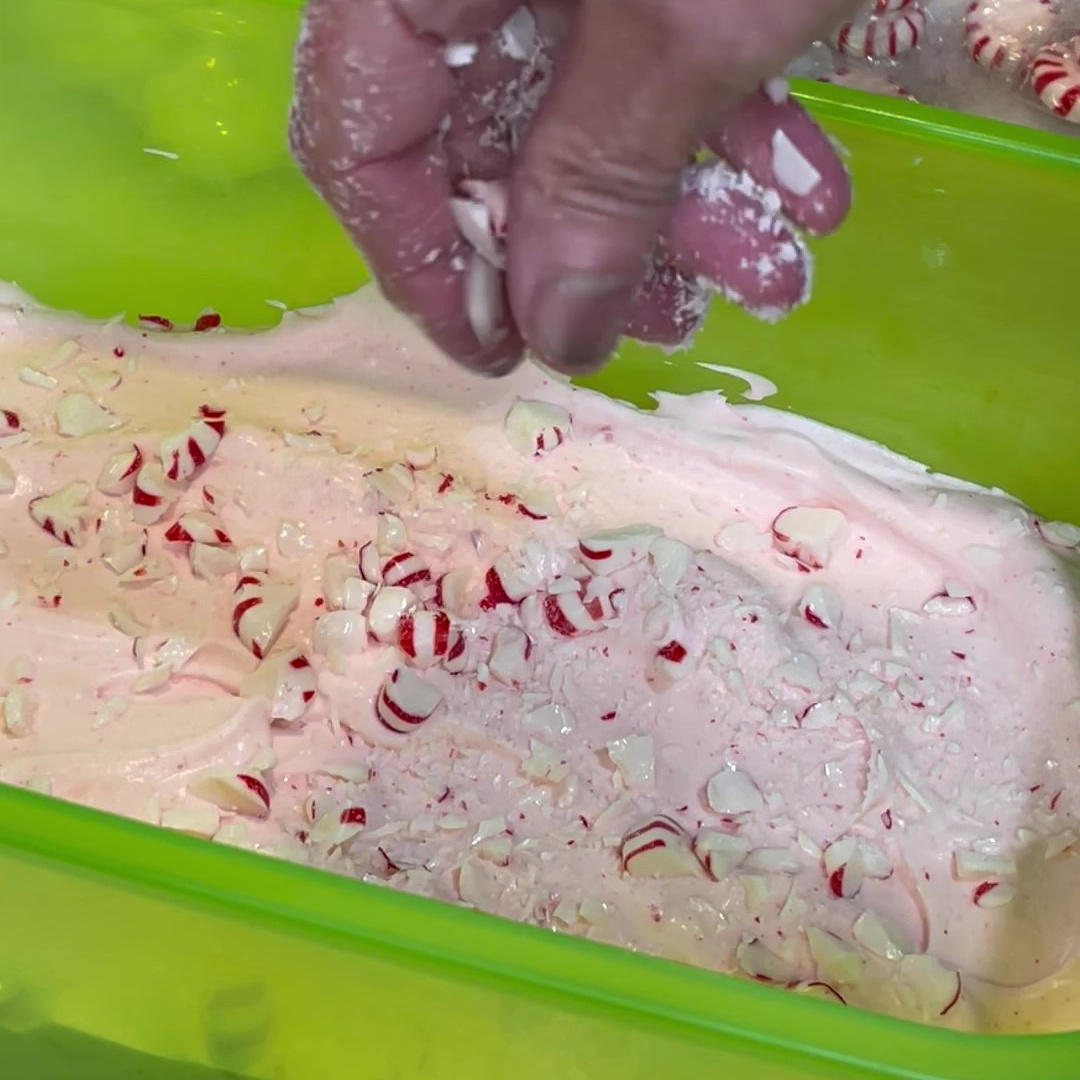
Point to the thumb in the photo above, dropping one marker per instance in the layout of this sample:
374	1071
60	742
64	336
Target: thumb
600	170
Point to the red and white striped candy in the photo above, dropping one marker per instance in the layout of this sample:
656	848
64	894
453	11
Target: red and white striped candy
63	514
885	7
405	701
152	495
606	552
453	592
672	663
481	212
421	457
535	428
485	303
808	534
337	569
342	587
878	36
185	453
659	848
261	608
388	608
394	482
821	607
568	614
117	476
390	534
197	527
404	570
1055	78
369	563
820	990
537	505
456	659
1001	36
243	793
317	805
758	961
849	861
210	562
510	652
424	637
504	584
599	597
288	679
518	38
10	423
149	570
124	552
670	560
720	852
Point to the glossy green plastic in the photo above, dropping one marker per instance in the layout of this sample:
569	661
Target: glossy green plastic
942	324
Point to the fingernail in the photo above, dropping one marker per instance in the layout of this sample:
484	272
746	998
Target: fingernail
575	320
500	367
497	360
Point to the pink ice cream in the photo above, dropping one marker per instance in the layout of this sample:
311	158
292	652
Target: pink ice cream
715	683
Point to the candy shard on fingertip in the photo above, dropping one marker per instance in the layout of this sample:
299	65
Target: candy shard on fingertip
484	305
518	35
460	53
792	169
777	90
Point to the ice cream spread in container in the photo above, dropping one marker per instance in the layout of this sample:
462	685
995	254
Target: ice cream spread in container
715	682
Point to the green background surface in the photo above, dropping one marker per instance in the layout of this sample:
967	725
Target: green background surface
943	324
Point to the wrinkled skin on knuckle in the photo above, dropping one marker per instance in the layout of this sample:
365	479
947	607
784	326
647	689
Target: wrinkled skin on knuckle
618	191
364	88
595	160
666	42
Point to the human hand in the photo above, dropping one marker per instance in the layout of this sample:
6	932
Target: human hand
586	116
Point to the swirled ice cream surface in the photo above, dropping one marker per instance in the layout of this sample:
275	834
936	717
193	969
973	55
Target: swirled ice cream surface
714	683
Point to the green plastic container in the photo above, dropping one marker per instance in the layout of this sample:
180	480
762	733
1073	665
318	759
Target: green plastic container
942	324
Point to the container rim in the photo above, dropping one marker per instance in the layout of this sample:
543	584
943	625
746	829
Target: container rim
343	912
909	118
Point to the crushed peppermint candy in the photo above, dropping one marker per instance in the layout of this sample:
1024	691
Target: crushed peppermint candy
709	696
